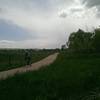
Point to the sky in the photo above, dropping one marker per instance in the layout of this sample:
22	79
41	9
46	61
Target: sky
45	23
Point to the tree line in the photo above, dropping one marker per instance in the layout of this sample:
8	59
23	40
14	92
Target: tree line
82	41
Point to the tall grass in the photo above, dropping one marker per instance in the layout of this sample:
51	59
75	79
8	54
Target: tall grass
70	77
13	58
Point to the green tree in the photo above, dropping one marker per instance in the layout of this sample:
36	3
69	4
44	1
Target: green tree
96	42
80	40
63	47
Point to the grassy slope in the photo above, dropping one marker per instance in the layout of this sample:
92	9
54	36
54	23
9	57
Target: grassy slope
69	78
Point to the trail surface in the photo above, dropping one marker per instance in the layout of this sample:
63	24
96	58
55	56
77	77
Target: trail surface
35	66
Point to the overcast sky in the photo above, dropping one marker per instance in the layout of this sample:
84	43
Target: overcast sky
45	23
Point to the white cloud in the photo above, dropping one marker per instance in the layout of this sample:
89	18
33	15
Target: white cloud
62	14
76	9
6	42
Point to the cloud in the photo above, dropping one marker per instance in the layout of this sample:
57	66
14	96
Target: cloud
10	31
98	14
75	9
6	42
36	4
39	43
62	14
74	12
1	10
91	3
35	23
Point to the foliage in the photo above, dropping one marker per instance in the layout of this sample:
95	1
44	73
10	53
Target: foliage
12	58
84	41
97	39
70	77
63	47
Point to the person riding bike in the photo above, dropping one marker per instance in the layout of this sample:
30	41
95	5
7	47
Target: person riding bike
27	57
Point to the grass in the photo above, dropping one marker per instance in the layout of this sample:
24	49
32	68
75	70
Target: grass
16	58
70	77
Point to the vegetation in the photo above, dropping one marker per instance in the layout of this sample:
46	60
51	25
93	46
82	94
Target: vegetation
70	77
12	58
84	41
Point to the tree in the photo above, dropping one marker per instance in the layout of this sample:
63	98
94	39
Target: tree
63	47
80	40
96	42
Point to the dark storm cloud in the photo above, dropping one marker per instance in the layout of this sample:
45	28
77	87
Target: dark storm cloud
91	3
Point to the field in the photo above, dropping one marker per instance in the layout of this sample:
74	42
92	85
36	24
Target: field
12	58
70	77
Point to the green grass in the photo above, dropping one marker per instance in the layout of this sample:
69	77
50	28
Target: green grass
70	77
16	58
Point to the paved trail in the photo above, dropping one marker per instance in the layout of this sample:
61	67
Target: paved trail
35	66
